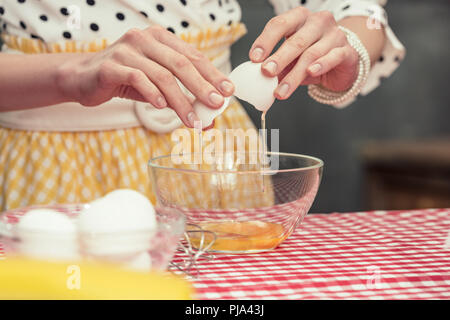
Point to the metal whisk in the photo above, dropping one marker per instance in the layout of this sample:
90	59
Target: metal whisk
193	254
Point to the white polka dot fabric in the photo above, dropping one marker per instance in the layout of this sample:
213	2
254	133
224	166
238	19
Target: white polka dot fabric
88	20
393	51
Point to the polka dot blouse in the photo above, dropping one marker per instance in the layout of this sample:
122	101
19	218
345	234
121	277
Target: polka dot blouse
88	20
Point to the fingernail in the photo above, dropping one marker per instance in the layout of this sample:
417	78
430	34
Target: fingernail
283	90
161	102
315	68
227	87
216	99
192	118
257	54
270	67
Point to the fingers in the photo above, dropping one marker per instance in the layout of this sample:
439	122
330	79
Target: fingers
170	64
292	48
210	126
311	80
300	71
200	62
132	84
185	71
286	70
328	62
276	29
310	36
167	84
164	80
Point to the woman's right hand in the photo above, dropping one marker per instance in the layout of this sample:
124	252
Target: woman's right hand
143	65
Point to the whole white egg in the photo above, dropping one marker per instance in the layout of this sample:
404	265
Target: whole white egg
119	224
140	262
118	211
48	234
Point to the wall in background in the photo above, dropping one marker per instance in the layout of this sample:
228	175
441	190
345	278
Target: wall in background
412	104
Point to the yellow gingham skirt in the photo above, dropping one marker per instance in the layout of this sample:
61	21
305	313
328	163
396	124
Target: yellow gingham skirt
77	167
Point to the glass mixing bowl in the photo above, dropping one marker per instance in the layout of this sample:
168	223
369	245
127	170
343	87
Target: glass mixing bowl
159	244
250	207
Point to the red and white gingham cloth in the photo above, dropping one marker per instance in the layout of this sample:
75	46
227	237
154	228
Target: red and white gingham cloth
364	255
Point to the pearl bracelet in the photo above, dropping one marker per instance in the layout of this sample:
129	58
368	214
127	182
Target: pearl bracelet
333	98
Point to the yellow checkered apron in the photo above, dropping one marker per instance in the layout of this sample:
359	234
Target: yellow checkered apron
77	167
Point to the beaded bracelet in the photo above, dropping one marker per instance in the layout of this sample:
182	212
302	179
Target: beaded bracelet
329	97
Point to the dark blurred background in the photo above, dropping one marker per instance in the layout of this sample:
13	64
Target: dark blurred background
390	149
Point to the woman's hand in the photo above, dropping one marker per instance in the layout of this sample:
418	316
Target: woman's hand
315	51
143	65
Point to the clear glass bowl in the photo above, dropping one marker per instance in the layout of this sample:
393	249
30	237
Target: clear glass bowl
250	207
160	244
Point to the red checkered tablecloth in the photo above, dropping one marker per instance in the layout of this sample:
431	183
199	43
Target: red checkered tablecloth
362	255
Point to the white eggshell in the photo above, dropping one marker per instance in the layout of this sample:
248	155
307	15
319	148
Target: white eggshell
116	246
50	248
253	86
48	234
140	262
120	224
46	220
119	211
206	114
157	120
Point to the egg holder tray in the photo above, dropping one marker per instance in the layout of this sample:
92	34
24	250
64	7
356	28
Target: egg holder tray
188	255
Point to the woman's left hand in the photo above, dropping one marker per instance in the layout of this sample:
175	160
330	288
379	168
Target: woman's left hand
315	51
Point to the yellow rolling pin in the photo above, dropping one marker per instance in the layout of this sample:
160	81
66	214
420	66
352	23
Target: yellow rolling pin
32	279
